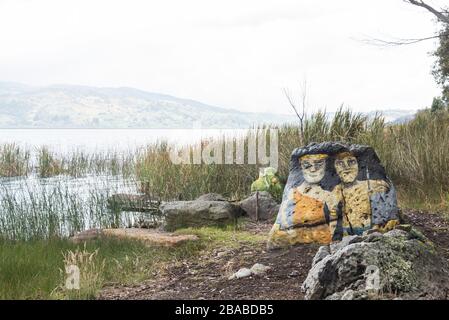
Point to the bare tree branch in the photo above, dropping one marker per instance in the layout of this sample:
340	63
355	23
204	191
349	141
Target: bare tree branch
300	110
401	42
291	102
440	14
304	97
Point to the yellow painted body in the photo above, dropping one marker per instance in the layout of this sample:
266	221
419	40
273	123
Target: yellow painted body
357	207
308	212
308	217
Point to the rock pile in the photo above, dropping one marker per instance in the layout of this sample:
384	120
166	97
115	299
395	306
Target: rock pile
399	264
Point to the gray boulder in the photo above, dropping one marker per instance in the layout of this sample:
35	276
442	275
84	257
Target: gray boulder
394	265
198	213
268	207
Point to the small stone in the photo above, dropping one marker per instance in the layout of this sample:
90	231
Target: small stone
294	274
242	273
256	269
259	269
221	254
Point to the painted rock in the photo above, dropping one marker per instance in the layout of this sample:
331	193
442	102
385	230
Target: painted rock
333	190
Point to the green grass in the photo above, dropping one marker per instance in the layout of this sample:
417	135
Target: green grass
436	202
229	236
34	269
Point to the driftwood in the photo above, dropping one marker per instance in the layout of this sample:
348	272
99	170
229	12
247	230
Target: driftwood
134	202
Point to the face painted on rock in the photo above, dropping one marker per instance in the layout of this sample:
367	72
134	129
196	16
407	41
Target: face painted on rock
313	167
347	167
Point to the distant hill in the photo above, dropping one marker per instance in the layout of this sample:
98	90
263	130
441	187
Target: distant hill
395	116
68	106
64	106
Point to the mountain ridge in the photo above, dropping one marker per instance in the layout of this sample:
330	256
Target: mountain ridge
79	106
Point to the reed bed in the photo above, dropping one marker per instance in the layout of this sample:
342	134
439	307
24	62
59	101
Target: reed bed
58	208
14	161
17	161
415	155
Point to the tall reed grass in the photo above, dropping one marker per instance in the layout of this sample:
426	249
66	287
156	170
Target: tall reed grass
14	161
17	161
415	154
59	208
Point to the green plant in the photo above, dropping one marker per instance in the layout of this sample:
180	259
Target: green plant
14	161
48	165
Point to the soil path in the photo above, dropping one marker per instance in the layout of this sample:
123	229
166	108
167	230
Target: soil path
207	276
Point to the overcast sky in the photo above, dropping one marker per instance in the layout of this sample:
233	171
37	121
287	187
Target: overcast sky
229	53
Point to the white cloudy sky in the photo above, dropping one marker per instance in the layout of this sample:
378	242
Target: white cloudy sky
230	53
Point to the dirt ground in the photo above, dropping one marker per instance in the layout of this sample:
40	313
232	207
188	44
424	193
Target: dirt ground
207	277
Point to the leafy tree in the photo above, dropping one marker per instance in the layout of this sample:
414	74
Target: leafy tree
437	105
441	67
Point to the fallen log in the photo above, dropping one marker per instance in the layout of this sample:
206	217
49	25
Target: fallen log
133	202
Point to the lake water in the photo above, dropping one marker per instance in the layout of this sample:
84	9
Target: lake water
98	140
